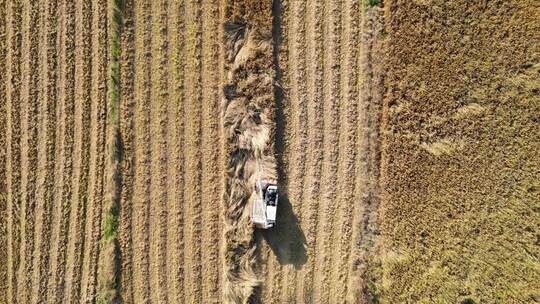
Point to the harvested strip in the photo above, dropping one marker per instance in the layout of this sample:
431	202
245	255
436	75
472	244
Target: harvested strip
159	156
13	182
142	177
127	124
347	154
248	125
281	20
299	104
369	111
98	136
64	152
176	171
46	152
332	105
29	153
3	154
81	160
211	153
316	123
193	165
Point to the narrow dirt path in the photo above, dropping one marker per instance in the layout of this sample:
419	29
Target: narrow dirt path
212	172
81	152
159	124
285	287
14	80
65	148
176	169
193	163
127	134
348	153
316	49
4	112
141	192
93	225
46	150
29	145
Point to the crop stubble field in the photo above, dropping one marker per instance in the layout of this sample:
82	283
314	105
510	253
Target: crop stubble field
172	165
329	59
53	114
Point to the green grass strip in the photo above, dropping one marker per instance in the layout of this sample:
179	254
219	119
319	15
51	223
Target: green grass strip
109	266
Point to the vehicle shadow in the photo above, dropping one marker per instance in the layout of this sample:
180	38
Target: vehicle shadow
287	240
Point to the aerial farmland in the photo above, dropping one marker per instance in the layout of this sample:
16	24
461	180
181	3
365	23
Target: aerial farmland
391	149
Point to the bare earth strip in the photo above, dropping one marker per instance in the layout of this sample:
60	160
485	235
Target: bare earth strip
99	95
81	153
29	145
14	80
127	133
192	259
141	195
3	155
347	153
316	48
285	287
159	156
176	168
46	151
212	172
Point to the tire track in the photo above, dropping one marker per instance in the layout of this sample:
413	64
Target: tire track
63	166
316	124
3	153
222	158
369	113
176	171
29	112
332	105
141	266
193	262
81	152
93	225
211	153
281	23
46	150
127	133
347	165
13	63
285	286
159	156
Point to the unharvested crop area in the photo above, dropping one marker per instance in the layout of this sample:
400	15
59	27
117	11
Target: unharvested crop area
460	217
404	136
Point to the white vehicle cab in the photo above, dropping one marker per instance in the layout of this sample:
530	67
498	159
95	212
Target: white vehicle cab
264	209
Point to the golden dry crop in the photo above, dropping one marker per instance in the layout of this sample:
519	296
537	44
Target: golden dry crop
404	137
